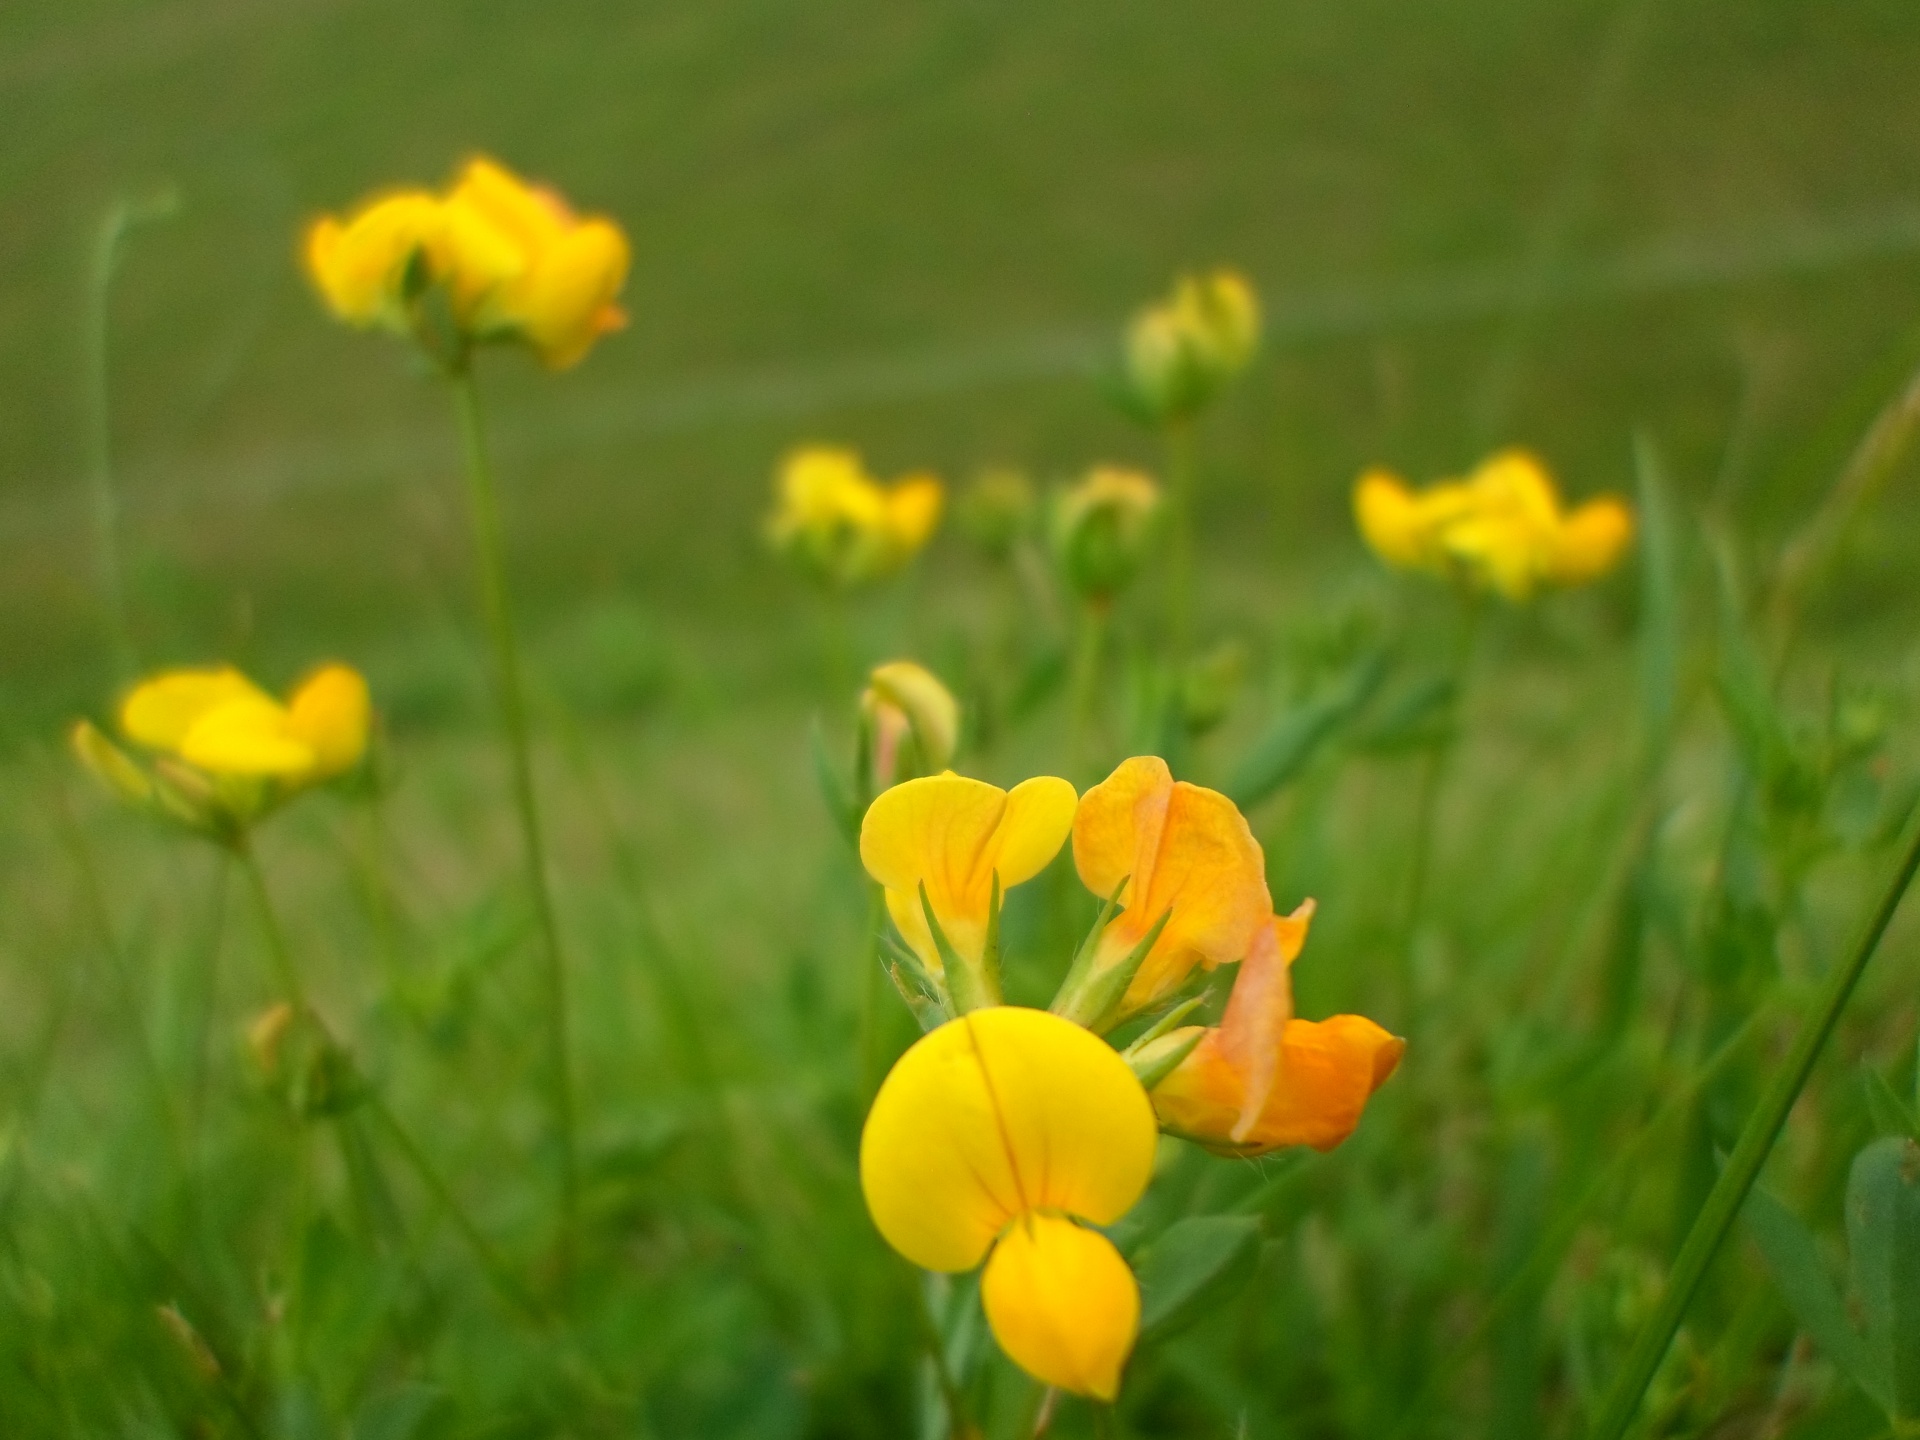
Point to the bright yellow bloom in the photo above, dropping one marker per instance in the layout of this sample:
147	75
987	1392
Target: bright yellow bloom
1102	528
224	749
998	1131
841	525
512	260
1501	529
954	837
913	720
1262	1079
1181	351
1185	853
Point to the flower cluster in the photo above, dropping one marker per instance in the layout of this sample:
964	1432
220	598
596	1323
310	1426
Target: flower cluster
1182	351
1502	529
220	752
491	258
1101	530
1005	1132
840	525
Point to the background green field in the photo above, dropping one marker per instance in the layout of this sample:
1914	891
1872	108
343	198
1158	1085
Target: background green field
918	230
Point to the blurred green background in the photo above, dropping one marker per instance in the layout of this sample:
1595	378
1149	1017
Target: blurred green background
917	230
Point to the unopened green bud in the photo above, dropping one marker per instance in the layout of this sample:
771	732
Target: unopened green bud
1102	529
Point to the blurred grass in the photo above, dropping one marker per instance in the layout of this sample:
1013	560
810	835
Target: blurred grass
918	231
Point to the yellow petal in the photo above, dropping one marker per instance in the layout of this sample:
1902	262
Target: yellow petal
1062	1304
999	1112
1591	541
159	711
247	736
569	298
529	217
952	834
359	265
927	706
1186	852
1390	520
331	713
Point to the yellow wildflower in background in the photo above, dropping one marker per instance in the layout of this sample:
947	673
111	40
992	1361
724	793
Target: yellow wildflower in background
994	1138
912	720
1182	351
1502	529
842	526
1263	1079
223	750
1102	528
1190	865
510	259
955	838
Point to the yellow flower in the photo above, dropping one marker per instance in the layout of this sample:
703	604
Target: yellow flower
1262	1079
1181	351
955	838
1191	867
512	260
996	1133
841	525
225	750
1102	528
1502	529
913	721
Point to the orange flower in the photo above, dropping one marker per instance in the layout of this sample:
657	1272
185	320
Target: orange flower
1262	1079
1190	866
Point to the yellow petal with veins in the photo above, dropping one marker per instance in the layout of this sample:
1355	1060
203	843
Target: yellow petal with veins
1062	1304
1002	1111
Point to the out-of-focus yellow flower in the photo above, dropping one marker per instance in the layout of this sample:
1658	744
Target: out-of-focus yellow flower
1102	528
511	259
997	510
1181	351
223	750
912	720
1262	1079
1502	529
998	1132
842	526
954	838
1190	865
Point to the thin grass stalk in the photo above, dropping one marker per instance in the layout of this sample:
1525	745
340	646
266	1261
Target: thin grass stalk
1426	811
1737	1177
496	601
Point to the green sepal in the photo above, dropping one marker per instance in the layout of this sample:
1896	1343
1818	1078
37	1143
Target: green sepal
1152	1061
968	987
1083	956
1096	1000
909	971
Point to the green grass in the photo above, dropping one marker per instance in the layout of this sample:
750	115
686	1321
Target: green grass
919	231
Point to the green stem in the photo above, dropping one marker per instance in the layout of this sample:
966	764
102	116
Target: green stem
1089	644
285	972
1742	1169
870	992
1427	801
496	602
1181	482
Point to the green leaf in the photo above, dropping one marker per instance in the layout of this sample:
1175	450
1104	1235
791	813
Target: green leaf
1659	596
1883	1235
1292	742
1190	1265
1817	1308
1891	1115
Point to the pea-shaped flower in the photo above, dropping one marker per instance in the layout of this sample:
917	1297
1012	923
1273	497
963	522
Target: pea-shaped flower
1188	877
1002	1136
1102	529
221	751
1263	1079
1182	351
841	526
911	722
1503	529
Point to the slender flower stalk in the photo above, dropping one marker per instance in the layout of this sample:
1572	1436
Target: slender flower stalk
1177	434
496	604
1737	1176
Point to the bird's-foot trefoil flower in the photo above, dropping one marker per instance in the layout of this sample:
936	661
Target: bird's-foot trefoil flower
842	527
220	751
945	849
491	258
1185	884
909	723
1502	530
1005	1135
1263	1079
1182	351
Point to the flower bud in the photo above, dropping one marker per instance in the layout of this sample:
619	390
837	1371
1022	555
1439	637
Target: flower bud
913	720
996	511
1182	351
1101	530
266	1032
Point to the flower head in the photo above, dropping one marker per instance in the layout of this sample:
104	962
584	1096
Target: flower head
1182	351
1000	1132
1102	528
912	720
509	260
1262	1079
842	526
223	751
997	510
1189	876
1501	529
956	841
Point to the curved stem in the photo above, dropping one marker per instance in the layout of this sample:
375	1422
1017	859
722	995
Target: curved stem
496	603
